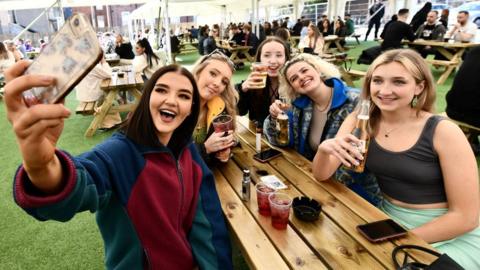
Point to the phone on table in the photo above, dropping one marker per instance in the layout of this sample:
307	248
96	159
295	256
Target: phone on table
267	155
69	57
381	230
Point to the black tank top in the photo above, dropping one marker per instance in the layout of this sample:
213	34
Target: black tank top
412	176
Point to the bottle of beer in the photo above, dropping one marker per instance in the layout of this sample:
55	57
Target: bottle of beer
246	185
361	132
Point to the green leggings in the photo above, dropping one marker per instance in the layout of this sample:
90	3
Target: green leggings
464	249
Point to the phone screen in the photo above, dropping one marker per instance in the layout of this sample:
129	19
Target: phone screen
267	154
381	229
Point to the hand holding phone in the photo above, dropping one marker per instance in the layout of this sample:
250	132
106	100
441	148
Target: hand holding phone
70	56
267	155
381	230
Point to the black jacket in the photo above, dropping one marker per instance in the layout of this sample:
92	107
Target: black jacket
464	96
394	34
125	51
436	34
254	102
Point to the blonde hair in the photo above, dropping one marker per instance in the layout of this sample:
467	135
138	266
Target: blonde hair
229	95
324	68
416	66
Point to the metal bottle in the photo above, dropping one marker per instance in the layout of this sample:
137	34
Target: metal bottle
246	185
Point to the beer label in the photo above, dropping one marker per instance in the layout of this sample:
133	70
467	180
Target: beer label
362	146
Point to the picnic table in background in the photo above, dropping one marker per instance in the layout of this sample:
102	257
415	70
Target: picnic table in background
331	242
235	50
131	82
333	39
294	41
344	64
452	51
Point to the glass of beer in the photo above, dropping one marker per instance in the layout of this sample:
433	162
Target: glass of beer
262	69
282	122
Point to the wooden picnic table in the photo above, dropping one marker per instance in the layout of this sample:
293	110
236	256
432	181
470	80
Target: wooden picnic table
331	242
235	50
131	83
333	39
452	51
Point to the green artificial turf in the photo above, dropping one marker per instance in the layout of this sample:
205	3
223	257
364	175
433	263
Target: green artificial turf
29	244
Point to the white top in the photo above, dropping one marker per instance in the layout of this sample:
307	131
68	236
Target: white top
140	65
88	89
6	63
468	28
318	48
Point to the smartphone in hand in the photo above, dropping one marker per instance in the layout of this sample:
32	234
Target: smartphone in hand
69	57
381	230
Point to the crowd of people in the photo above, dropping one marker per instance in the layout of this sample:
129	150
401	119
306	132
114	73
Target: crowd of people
154	175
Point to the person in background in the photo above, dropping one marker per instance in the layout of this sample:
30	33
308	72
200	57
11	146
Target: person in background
303	32
463	97
340	30
123	48
284	35
108	44
394	18
273	52
430	30
213	74
250	39
6	58
237	34
209	44
42	44
275	26
326	29
420	17
13	49
444	17
297	28
423	163
267	26
463	30
21	47
313	43
376	11
146	61
349	24
397	31
88	90
202	35
155	199
28	45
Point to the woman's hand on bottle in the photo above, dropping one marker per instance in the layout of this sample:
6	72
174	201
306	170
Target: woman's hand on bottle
276	108
36	128
252	81
218	141
344	148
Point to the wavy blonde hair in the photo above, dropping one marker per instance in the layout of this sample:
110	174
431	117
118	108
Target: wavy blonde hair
229	95
416	66
324	68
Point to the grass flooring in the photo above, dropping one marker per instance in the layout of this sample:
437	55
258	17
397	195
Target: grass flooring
29	244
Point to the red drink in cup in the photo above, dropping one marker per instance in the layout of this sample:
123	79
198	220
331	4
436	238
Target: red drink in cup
222	123
280	204
263	191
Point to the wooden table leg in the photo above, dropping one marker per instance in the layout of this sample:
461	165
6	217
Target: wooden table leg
445	74
339	46
100	115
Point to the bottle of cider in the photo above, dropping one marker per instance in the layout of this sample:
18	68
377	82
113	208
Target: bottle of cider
361	132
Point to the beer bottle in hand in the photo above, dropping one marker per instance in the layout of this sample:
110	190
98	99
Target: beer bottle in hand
361	132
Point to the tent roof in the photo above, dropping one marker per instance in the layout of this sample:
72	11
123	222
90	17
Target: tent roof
26	4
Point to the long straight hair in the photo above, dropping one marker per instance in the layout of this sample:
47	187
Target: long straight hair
140	126
3	51
148	51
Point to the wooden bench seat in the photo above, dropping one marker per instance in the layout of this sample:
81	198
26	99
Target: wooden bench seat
442	62
352	75
470	131
85	108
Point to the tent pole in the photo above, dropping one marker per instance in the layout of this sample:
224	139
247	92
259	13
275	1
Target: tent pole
159	26
167	33
45	11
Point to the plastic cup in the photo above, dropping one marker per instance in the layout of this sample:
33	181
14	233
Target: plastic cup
263	191
223	123
262	79
280	204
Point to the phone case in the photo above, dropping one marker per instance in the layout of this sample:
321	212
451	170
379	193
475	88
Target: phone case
383	238
258	156
69	57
